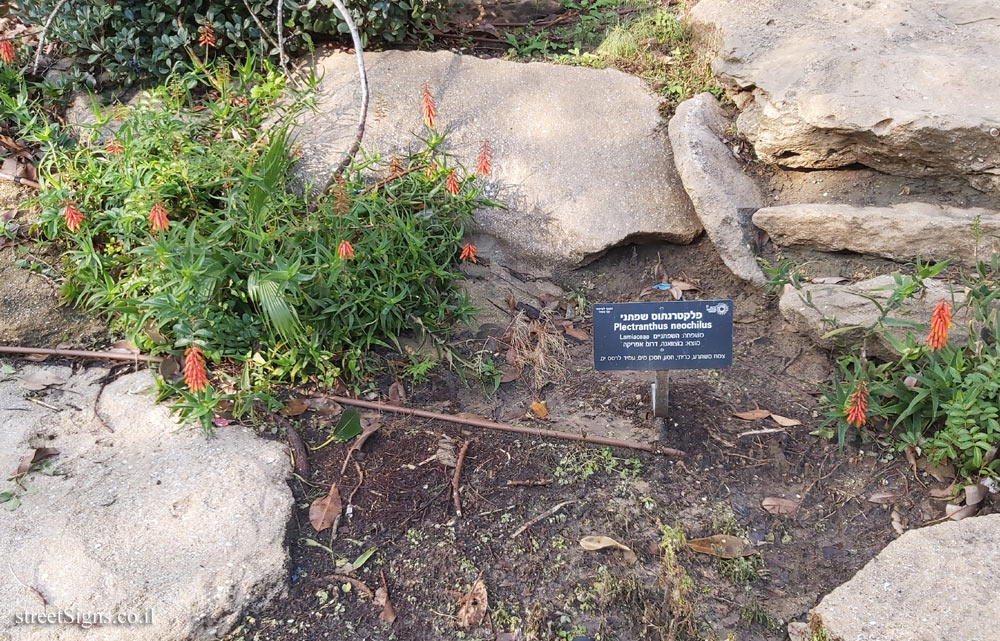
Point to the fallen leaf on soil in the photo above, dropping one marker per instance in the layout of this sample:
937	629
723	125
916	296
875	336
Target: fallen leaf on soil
897	522
474	604
578	334
974	494
294	407
829	280
325	406
601	542
300	458
38	454
681	285
510	373
884	498
7	215
538	409
445	454
942	492
910	382
382	599
753	415
722	546
325	510
943	472
397	395
776	505
784	421
37	358
39	380
170	367
126	347
959	512
368	427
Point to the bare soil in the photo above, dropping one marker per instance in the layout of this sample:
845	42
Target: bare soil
542	582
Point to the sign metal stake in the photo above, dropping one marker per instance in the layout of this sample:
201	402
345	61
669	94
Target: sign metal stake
661	394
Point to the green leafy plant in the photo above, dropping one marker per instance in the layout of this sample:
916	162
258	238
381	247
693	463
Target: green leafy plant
941	396
135	40
182	231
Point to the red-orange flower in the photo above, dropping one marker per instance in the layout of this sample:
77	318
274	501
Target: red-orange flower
468	252
113	147
857	404
427	106
940	322
484	161
6	52
395	166
345	251
341	201
194	369
431	168
158	217
451	185
73	217
206	36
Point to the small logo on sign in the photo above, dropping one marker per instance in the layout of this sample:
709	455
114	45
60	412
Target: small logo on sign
720	308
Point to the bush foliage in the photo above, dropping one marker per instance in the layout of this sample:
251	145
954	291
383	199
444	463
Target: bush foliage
288	289
137	39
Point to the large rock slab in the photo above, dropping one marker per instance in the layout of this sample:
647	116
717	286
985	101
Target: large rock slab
579	156
900	232
135	518
907	87
938	583
723	196
819	308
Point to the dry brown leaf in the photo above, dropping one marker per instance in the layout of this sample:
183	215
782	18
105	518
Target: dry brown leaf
776	505
942	492
38	454
753	415
382	600
397	394
974	494
829	280
959	512
325	406
538	409
601	542
784	421
7	215
39	380
474	605
578	334
942	472
295	407
369	425
884	498
124	346
170	367
325	510
897	522
445	454
723	546
37	358
510	373
681	285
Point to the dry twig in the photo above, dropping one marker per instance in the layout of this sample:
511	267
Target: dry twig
41	36
455	478
547	513
363	78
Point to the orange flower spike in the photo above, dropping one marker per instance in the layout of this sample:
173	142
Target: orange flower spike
427	106
6	52
940	323
431	169
395	166
484	161
345	251
158	217
113	146
468	252
857	405
73	217
206	36
451	185
194	369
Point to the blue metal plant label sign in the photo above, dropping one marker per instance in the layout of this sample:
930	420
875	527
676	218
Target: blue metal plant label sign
695	334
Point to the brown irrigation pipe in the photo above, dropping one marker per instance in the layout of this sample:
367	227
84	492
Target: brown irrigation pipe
20	181
82	353
475	421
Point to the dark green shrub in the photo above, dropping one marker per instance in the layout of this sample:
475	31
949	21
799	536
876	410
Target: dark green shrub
137	39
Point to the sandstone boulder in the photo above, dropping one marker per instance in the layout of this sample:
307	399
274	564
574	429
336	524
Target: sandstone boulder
906	87
133	517
901	232
580	160
938	583
723	196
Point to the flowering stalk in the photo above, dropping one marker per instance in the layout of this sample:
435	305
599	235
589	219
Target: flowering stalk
113	147
194	369
341	201
158	217
468	252
206	36
73	217
451	185
427	109
484	161
7	52
345	251
940	323
857	404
